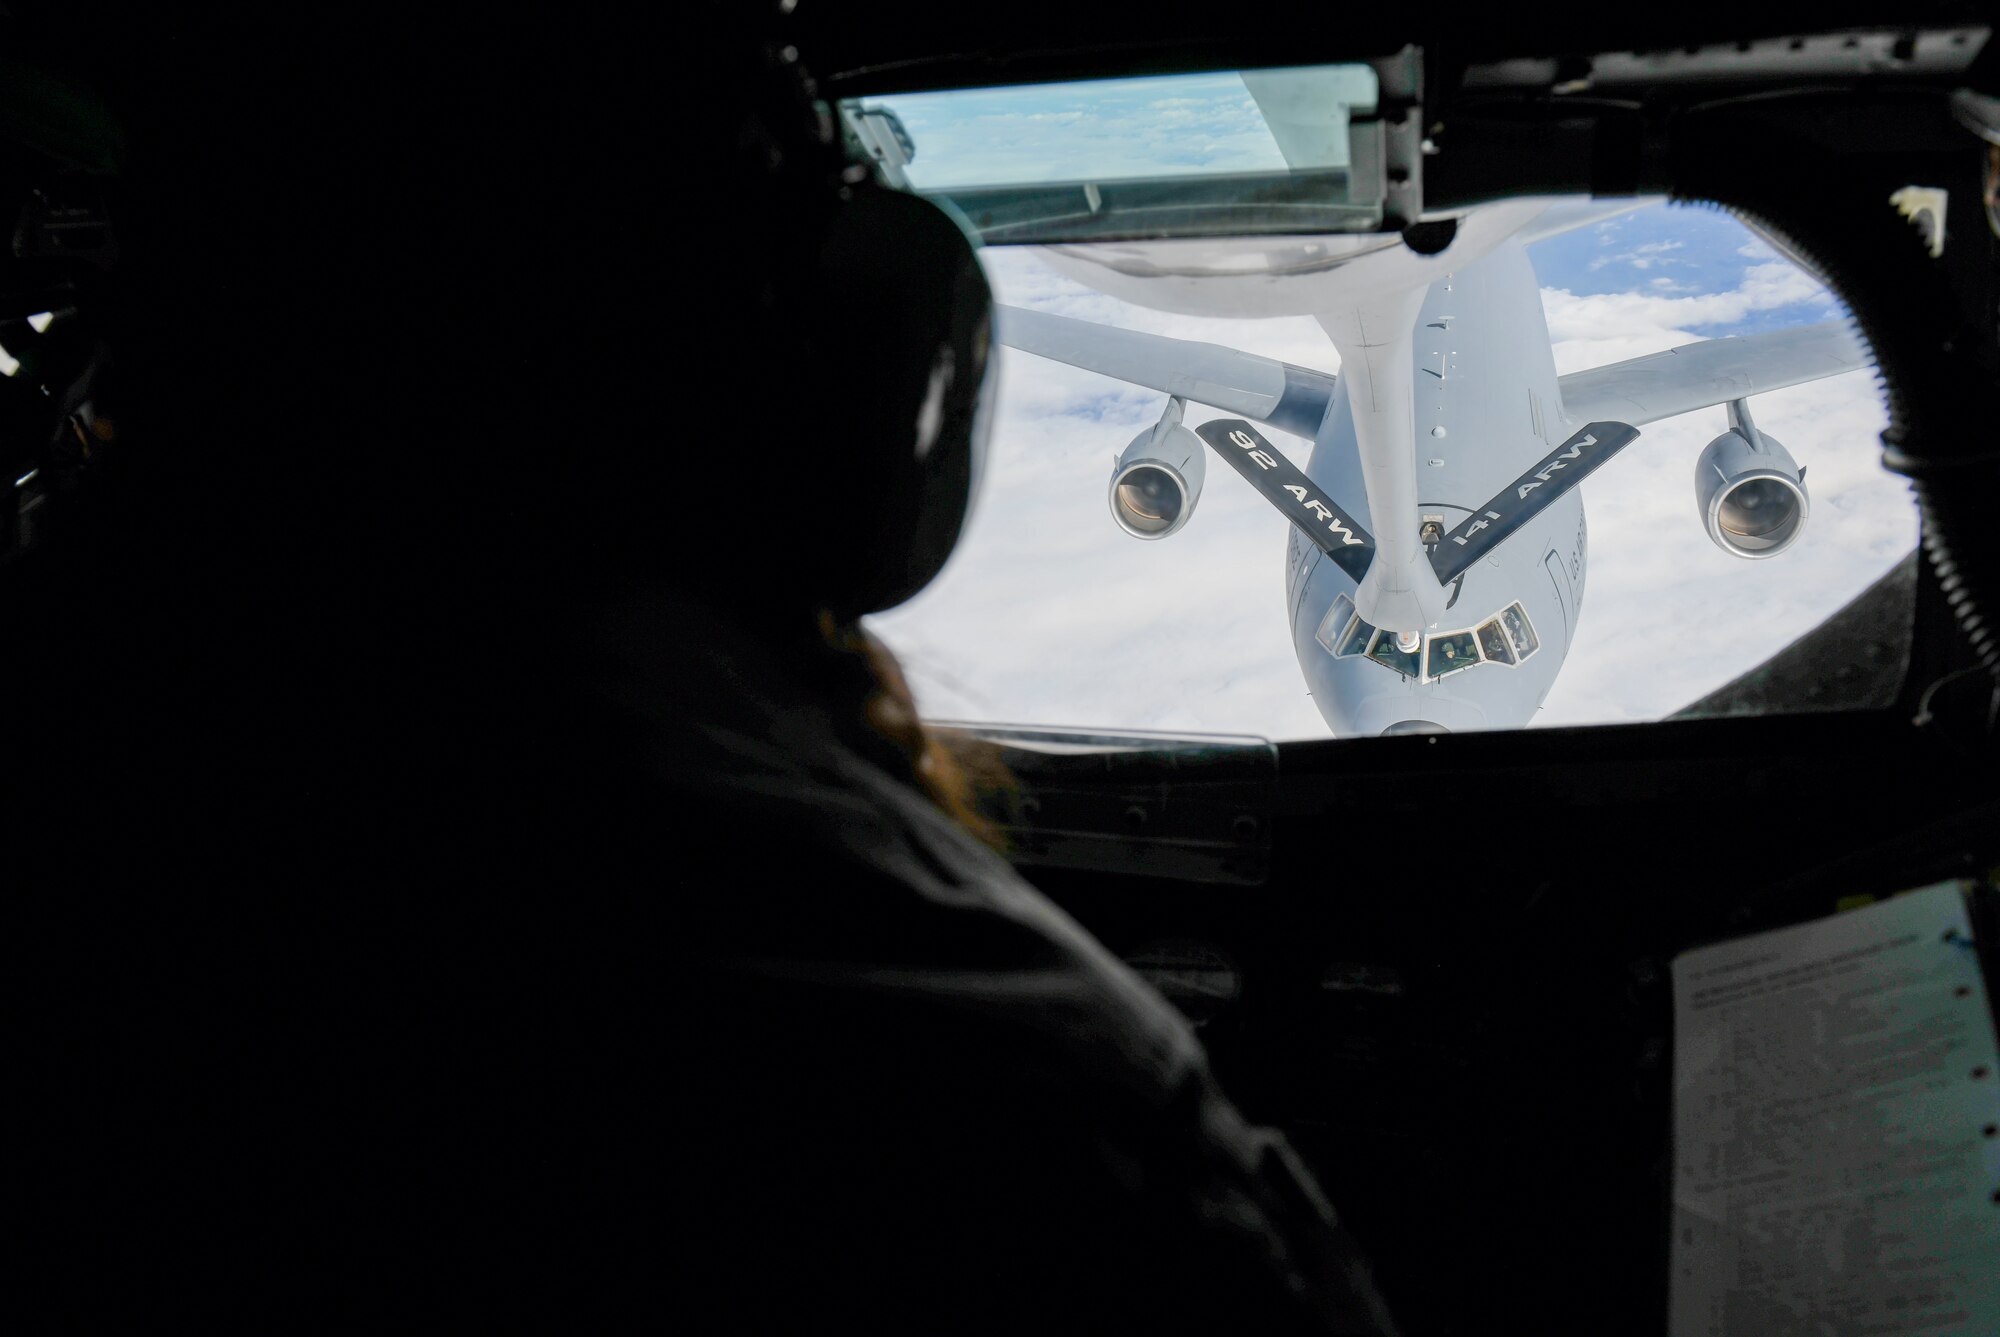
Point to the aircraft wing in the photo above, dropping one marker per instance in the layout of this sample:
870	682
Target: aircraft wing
1714	371
1291	399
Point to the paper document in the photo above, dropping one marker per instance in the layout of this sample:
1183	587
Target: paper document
1836	1150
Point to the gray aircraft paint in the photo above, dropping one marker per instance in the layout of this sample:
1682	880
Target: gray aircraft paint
1483	330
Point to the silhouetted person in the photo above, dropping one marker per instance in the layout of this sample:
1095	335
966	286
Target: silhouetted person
468	872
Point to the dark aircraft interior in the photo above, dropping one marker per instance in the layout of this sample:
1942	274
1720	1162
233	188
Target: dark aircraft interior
1440	963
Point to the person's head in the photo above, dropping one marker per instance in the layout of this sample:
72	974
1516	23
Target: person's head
844	360
454	334
846	436
548	302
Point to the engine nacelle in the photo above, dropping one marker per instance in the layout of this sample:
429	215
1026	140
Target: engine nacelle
1158	480
1751	495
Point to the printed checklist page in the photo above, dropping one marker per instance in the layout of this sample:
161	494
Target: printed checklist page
1837	1168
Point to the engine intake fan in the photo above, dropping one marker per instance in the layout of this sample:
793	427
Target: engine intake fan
1750	492
1157	480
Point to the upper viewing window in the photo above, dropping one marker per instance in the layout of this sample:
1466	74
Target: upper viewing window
1288	150
1117	129
1186	526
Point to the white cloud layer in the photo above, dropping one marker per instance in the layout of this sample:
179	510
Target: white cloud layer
1640	316
1640	257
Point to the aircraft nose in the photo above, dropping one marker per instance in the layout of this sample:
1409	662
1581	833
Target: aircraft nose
1414	726
1432	709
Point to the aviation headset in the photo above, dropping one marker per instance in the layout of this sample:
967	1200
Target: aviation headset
884	316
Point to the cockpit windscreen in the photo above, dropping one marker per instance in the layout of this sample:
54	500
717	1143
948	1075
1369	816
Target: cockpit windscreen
1636	592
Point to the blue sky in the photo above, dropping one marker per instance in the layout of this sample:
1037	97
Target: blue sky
1048	614
1672	250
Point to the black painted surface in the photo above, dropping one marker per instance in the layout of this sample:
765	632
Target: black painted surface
1528	496
1505	1116
1305	503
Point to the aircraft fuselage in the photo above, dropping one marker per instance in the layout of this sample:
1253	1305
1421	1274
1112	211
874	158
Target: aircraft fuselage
1487	407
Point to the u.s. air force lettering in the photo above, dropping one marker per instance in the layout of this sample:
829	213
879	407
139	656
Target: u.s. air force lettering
1528	496
1332	530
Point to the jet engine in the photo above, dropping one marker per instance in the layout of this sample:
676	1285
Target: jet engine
1157	481
1751	495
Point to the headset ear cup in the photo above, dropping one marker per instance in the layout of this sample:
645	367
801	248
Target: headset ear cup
904	364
